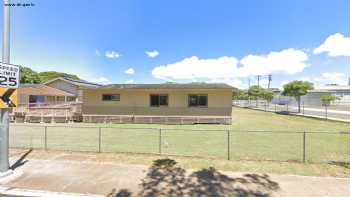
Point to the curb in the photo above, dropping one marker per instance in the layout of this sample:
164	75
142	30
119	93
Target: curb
6	174
10	191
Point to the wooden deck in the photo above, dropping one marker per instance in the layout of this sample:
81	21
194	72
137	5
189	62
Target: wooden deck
58	113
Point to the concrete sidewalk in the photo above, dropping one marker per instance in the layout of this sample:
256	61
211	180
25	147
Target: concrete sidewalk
164	178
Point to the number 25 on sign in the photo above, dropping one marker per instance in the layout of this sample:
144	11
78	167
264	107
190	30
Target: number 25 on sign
9	81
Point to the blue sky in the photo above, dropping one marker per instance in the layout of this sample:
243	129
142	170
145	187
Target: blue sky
215	41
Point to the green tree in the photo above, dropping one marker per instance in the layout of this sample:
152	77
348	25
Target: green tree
267	95
32	77
169	83
46	76
327	99
199	83
297	89
29	76
255	92
240	94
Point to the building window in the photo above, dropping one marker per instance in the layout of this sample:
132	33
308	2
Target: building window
199	100
111	97
158	100
36	99
339	94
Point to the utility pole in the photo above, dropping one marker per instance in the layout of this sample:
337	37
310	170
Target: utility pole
259	80
270	79
4	113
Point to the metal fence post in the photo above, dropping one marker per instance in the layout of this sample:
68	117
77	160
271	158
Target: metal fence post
304	147
228	144
45	138
160	142
99	139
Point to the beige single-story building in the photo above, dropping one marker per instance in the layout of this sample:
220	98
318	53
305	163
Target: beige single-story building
158	103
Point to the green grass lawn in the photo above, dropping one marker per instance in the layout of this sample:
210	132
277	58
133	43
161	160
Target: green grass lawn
254	135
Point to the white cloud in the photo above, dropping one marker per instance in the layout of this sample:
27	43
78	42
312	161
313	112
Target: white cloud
130	81
130	71
330	78
230	69
152	54
288	61
335	45
112	54
195	68
232	82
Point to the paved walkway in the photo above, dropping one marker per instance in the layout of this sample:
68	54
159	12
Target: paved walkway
317	113
323	110
61	174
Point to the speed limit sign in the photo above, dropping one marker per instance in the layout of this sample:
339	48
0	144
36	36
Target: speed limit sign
9	75
9	82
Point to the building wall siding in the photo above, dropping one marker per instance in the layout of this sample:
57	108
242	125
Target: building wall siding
137	102
65	86
22	98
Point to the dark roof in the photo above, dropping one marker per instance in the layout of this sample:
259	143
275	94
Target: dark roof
168	86
77	82
40	89
82	82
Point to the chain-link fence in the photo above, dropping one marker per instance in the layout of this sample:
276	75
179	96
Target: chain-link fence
300	146
333	111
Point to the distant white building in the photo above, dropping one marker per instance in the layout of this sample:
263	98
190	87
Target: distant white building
341	91
313	97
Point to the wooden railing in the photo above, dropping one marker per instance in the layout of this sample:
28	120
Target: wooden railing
68	111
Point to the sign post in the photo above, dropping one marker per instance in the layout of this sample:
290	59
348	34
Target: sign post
5	81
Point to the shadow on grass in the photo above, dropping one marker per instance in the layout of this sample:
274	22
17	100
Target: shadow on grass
121	193
285	112
341	164
21	161
165	178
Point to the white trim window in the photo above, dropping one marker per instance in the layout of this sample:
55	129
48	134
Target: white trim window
110	97
198	100
158	100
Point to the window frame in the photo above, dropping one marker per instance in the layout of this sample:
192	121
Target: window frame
159	105
111	100
197	105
